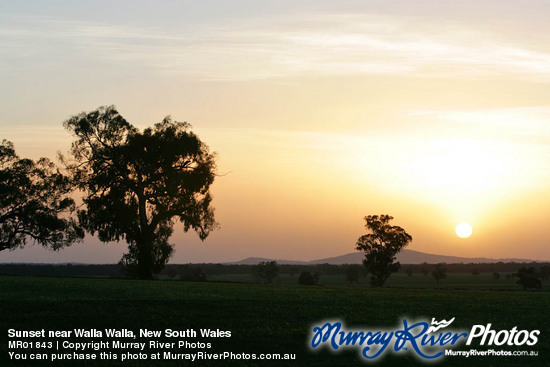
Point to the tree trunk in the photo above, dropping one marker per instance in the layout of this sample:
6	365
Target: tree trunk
145	243
145	257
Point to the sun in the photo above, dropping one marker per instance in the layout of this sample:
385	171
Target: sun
463	230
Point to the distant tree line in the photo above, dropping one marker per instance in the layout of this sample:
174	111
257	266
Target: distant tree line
293	270
171	270
472	268
351	273
114	270
63	270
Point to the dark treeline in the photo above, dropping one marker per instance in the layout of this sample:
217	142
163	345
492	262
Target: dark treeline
216	269
200	272
64	270
473	268
186	271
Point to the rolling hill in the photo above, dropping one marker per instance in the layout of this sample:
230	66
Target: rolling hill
404	257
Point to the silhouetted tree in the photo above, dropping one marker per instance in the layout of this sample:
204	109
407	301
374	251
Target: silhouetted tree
137	184
34	203
352	274
496	276
439	272
425	268
268	270
528	278
381	246
306	278
409	271
475	271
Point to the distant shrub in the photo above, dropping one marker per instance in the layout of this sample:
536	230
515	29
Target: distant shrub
306	278
528	278
440	272
267	270
425	268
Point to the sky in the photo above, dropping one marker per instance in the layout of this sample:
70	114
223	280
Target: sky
320	112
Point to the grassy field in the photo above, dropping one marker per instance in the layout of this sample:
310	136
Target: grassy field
265	318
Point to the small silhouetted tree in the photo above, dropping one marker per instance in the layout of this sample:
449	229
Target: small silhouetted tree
267	270
439	272
137	184
306	278
425	268
380	246
352	273
544	272
34	203
409	271
475	271
528	278
496	276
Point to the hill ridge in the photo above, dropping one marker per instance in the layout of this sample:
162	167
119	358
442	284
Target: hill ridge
404	257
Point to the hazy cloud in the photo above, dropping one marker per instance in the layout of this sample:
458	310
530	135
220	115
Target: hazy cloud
277	47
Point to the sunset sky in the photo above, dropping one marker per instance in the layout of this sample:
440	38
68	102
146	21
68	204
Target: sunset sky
321	112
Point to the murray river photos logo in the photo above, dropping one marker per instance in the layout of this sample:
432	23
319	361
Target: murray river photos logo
427	341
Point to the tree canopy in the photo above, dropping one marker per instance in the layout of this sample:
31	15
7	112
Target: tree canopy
138	184
439	272
267	270
34	203
528	278
381	246
307	278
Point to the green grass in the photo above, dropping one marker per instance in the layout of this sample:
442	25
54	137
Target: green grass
265	318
